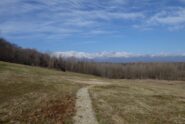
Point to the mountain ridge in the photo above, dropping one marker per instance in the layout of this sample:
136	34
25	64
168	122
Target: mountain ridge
119	57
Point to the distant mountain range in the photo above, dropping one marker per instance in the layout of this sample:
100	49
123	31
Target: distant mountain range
121	57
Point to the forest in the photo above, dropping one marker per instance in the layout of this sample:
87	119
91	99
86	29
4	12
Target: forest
164	71
12	53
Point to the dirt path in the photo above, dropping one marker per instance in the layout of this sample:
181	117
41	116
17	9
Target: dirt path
85	113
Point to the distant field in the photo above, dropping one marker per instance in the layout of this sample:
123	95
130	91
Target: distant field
36	95
140	102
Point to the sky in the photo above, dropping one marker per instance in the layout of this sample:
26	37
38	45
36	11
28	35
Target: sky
133	26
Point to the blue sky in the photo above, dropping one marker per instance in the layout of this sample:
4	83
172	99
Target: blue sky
134	26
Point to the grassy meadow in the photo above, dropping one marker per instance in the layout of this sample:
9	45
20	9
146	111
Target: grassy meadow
36	95
140	102
43	96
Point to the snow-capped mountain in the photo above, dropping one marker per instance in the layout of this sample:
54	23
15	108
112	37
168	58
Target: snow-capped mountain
122	57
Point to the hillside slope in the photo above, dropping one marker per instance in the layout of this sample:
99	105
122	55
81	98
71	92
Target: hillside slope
35	95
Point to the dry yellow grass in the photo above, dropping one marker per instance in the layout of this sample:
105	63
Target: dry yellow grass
43	96
140	102
36	95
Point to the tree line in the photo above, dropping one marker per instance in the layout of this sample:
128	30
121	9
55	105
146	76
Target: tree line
166	71
13	53
162	71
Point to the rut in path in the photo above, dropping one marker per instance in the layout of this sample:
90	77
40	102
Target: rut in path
85	113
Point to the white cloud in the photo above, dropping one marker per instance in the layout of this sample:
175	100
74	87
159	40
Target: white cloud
74	16
182	0
173	17
55	16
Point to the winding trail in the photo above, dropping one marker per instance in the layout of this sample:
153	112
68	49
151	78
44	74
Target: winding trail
85	113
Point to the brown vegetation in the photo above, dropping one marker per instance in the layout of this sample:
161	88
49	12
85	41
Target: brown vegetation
57	111
164	71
